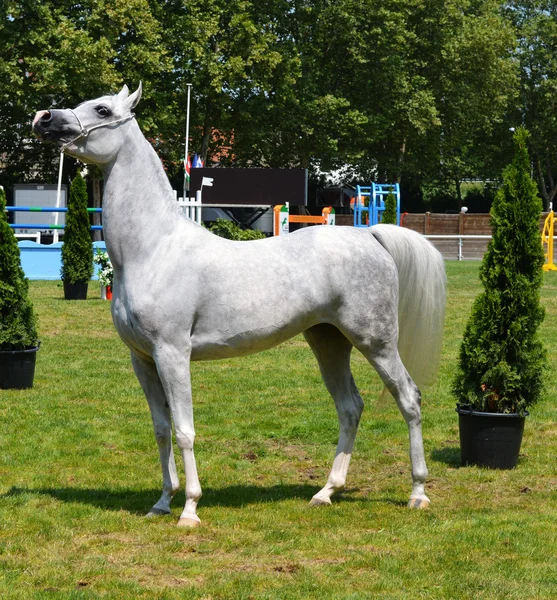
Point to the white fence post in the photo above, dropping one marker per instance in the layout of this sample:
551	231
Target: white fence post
192	207
197	207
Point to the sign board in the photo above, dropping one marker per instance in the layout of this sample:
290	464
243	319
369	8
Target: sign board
38	195
251	186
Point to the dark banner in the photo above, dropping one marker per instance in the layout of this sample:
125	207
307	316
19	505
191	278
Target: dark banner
251	186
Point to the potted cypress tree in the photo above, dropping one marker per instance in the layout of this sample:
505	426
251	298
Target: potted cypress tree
77	250
18	325
389	214
502	359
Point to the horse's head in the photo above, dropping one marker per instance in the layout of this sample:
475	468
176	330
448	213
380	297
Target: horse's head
92	131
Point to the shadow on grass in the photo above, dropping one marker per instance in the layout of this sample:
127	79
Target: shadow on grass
140	501
448	455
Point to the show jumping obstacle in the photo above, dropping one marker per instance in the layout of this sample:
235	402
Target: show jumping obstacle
182	294
46	226
366	215
282	218
547	241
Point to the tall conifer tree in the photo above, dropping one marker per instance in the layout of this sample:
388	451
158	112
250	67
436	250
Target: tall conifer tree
17	320
77	251
502	359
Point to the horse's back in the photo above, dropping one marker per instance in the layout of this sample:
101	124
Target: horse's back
257	294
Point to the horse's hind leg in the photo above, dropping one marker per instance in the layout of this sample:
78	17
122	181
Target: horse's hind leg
332	351
148	377
408	398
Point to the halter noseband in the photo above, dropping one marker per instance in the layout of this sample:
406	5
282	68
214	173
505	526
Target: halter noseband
86	131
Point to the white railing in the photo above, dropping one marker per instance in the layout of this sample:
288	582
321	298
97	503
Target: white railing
459	241
459	250
192	207
37	236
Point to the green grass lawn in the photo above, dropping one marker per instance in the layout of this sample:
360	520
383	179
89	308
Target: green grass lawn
79	469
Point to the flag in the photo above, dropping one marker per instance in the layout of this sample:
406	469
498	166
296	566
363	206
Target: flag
207	182
187	168
197	162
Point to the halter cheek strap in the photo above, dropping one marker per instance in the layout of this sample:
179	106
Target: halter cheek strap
84	131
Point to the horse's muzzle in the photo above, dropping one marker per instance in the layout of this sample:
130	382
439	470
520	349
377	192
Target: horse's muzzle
44	116
50	126
41	123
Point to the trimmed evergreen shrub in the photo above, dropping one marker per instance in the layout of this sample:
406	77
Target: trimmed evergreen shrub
502	360
232	231
389	214
77	250
18	325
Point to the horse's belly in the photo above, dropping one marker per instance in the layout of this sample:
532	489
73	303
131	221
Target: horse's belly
226	343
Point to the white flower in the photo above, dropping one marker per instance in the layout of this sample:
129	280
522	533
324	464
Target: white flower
106	272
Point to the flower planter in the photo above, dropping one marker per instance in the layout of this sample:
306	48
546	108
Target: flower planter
489	439
106	292
17	368
75	291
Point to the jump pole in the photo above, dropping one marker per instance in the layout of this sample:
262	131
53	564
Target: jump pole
58	195
282	218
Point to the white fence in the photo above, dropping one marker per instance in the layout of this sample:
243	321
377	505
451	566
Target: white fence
460	247
192	207
465	247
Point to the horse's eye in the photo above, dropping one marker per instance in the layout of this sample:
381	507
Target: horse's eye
102	111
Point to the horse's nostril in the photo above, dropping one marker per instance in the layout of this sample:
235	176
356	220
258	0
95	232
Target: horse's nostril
44	116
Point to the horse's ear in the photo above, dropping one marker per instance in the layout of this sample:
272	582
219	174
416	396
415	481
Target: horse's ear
123	93
131	101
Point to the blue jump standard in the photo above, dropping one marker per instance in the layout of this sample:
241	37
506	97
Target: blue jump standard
376	194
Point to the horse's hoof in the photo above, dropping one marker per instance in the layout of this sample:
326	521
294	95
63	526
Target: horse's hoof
156	512
418	502
189	522
319	501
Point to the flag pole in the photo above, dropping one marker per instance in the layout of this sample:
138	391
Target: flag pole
187	140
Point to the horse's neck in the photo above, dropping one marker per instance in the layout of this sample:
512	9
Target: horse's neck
138	206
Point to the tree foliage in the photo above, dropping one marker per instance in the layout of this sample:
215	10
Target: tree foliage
502	360
417	92
232	231
59	53
18	326
389	214
536	26
77	250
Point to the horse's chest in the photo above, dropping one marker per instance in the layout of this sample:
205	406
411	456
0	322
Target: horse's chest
135	325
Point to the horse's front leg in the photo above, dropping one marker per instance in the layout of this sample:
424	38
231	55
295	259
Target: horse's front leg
148	377
173	366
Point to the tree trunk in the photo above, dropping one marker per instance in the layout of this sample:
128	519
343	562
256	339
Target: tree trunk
457	183
401	156
207	130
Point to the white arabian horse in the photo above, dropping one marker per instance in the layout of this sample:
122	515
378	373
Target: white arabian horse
182	294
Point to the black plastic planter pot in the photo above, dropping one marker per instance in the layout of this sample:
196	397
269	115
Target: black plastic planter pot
489	439
17	368
75	291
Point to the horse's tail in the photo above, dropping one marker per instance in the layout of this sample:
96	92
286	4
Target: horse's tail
421	304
